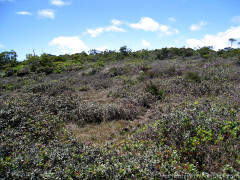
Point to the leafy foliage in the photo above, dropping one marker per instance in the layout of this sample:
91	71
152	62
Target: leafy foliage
164	113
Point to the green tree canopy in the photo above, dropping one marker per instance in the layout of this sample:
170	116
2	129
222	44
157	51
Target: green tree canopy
7	57
232	40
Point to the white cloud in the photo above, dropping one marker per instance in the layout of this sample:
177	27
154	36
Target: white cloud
1	46
114	28
218	41
163	28
148	24
116	22
145	43
199	26
60	2
46	13
23	13
167	30
168	33
236	19
96	32
172	19
69	44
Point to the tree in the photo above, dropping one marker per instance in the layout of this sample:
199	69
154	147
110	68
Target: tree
7	57
205	51
124	50
33	61
93	52
232	41
46	59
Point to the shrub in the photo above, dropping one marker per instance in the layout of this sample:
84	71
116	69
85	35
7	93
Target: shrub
173	136
170	71
47	70
83	88
155	90
51	88
90	113
203	133
187	52
90	71
206	52
96	113
23	71
115	71
9	73
193	76
117	112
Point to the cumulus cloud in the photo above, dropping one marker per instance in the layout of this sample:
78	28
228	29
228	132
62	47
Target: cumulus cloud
236	19
167	30
60	2
145	43
148	24
218	41
116	22
95	32
172	19
69	44
199	26
23	13
1	45
46	13
114	28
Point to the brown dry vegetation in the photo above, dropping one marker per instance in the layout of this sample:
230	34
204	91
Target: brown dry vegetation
157	117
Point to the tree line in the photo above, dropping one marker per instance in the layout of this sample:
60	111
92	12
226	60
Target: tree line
48	63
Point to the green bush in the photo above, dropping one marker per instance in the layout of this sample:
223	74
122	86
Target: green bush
193	76
206	52
23	71
83	88
96	113
193	132
155	90
203	134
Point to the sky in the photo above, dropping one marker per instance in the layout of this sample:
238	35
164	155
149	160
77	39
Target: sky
72	26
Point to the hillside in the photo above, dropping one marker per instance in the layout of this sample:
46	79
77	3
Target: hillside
118	115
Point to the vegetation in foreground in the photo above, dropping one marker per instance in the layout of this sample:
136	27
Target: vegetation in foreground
118	115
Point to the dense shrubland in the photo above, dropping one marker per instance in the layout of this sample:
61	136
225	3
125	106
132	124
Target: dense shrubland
118	115
48	64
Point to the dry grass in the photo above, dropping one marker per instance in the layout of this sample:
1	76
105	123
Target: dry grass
109	132
100	134
177	96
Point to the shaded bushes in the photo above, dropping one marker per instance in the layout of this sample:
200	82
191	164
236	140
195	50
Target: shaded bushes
50	88
187	138
202	137
193	76
155	90
48	63
203	134
95	113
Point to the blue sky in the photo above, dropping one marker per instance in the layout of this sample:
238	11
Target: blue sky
71	26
